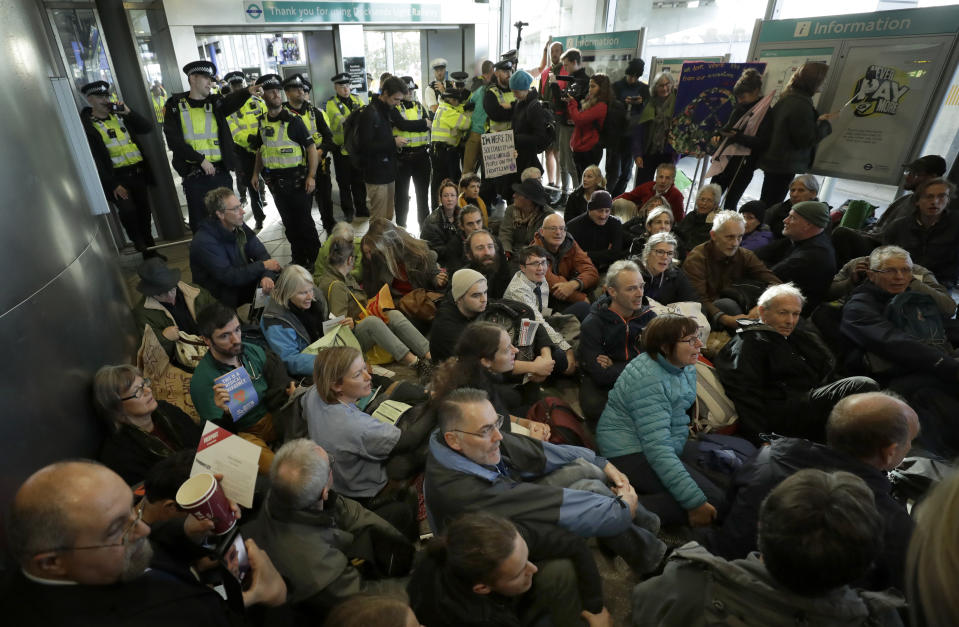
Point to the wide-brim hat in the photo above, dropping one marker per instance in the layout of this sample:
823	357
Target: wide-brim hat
532	189
156	277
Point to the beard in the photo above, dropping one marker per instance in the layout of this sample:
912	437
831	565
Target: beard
487	264
136	558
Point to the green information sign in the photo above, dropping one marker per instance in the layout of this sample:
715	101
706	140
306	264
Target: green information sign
797	52
925	21
287	11
623	40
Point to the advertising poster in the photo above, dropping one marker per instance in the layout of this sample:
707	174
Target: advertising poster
499	156
882	94
704	100
781	64
609	53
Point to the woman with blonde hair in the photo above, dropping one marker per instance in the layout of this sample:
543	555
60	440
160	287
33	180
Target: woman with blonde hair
391	256
655	216
592	180
587	119
293	319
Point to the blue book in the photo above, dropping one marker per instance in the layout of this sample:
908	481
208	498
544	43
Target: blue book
243	395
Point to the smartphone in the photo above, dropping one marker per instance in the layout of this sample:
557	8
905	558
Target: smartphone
232	554
115	107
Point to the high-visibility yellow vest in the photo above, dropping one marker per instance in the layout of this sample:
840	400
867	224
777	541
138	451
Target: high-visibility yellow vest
416	138
123	151
336	113
200	129
243	123
502	98
158	104
309	120
450	124
279	152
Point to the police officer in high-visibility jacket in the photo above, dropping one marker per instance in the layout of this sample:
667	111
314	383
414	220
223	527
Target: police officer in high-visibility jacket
243	126
498	104
348	178
111	130
297	90
287	158
450	127
198	134
414	158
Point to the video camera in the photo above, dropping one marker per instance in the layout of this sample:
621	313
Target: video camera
576	87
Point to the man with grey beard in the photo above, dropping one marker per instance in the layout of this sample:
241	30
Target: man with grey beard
84	555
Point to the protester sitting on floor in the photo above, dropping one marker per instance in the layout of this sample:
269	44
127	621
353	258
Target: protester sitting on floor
441	229
719	264
804	187
529	287
486	571
220	329
818	534
593	180
483	355
780	373
661	186
342	230
468	301
469	195
645	427
915	360
393	257
852	275
142	430
665	282
757	234
655	217
293	319
471	219
345	297
694	229
485	255
610	335
805	255
472	466
169	305
930	233
524	217
161	484
226	258
867	435
361	444
597	233
308	529
83	555
571	275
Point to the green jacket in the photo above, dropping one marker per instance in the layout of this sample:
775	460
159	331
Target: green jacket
150	312
323	256
336	290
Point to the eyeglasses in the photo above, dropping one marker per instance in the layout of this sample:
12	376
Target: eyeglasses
542	263
663	253
137	391
557	229
137	516
693	341
487	431
236	207
896	271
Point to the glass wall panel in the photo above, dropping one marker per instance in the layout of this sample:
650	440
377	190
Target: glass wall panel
406	54
82	46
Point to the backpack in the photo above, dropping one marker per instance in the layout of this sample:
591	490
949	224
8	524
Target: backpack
509	314
613	129
714	412
551	123
917	315
351	136
565	425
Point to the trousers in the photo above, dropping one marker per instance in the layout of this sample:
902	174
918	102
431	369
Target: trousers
413	165
195	188
398	338
245	162
295	207
349	180
134	211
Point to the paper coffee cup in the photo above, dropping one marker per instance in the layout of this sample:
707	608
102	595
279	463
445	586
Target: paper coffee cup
202	496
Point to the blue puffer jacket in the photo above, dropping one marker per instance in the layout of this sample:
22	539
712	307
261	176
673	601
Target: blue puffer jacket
287	336
646	413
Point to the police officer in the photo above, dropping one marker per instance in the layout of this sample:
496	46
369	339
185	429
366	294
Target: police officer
348	178
450	127
414	159
243	126
111	130
198	134
498	104
288	160
297	90
439	84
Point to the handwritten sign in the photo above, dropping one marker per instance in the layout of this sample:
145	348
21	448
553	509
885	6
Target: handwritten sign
498	154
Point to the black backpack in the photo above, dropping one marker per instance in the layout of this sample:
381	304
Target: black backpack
351	136
550	120
509	314
614	127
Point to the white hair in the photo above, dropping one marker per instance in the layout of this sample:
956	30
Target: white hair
618	267
776	291
879	256
724	216
712	188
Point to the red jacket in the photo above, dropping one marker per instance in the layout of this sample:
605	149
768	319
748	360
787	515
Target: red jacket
568	263
586	125
645	191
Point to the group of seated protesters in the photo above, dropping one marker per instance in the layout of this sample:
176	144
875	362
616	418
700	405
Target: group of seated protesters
337	516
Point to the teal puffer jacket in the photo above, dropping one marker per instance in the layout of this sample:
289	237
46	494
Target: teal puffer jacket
646	413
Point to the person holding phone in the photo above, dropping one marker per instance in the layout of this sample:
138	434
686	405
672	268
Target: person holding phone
112	131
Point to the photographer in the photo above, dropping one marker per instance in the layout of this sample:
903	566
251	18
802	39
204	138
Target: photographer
574	82
587	122
634	93
439	84
549	68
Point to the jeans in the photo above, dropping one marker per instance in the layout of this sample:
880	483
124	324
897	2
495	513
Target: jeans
398	338
564	156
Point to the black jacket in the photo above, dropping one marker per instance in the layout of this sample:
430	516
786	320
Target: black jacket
575	204
603	244
936	247
445	238
604	332
137	125
766	375
783	458
379	147
810	264
672	286
186	160
529	131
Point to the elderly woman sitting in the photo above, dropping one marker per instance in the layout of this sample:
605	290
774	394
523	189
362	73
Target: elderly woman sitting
694	228
656	216
143	430
665	282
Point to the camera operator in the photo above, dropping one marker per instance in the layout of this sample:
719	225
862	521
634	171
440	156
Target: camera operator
439	84
576	86
634	93
549	68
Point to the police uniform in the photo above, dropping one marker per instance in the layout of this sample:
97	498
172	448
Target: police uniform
284	146
120	162
450	126
414	159
243	126
319	129
431	95
499	118
348	178
197	130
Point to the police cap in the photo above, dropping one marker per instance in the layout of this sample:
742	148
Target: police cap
207	68
235	76
459	77
341	78
505	64
410	83
294	81
269	81
96	88
438	62
509	55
